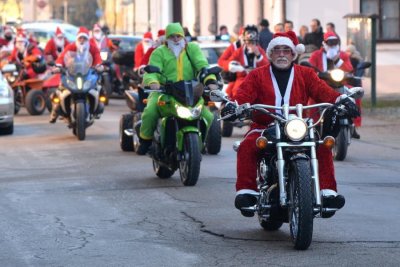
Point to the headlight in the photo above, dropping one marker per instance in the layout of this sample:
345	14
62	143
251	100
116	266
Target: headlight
186	113
337	75
296	129
79	83
104	55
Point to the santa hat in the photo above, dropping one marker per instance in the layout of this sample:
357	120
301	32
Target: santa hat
21	37
59	32
96	27
330	36
161	33
83	32
241	31
7	29
148	36
288	38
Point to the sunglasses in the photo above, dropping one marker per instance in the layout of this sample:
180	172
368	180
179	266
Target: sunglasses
175	36
332	42
285	51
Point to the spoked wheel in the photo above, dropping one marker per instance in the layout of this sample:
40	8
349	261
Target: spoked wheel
301	203
80	121
340	148
161	171
189	166
35	102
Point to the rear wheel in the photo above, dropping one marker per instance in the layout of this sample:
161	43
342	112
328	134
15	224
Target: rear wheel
35	102
189	166
125	141
301	203
214	138
107	88
80	121
340	149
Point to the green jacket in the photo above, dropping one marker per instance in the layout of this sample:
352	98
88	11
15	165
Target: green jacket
177	69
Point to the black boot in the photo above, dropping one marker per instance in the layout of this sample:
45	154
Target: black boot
244	201
144	146
355	135
333	202
54	113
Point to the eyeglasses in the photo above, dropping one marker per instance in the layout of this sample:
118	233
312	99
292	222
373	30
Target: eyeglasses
175	36
332	42
285	51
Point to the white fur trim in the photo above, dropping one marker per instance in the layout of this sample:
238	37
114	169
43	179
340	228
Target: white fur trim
247	191
328	192
280	41
82	34
259	59
300	48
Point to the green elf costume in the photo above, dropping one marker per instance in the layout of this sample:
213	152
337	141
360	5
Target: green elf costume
174	62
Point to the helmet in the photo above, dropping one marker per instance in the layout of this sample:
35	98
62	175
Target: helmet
250	33
39	67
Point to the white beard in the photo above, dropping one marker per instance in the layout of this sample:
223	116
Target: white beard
98	36
59	43
332	52
146	47
282	63
176	48
81	49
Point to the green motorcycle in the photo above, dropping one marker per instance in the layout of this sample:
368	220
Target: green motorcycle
180	137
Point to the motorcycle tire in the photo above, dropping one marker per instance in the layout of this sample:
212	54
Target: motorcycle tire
49	94
341	144
80	121
107	88
17	100
214	138
189	166
125	141
35	102
161	171
227	128
301	213
137	117
270	225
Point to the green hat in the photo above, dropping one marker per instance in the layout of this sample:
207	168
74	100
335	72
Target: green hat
174	28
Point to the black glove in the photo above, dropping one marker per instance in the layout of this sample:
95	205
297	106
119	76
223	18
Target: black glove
229	109
351	108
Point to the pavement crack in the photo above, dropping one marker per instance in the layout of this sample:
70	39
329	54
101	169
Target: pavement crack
80	235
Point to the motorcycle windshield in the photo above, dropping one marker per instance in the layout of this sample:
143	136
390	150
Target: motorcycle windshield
187	93
77	63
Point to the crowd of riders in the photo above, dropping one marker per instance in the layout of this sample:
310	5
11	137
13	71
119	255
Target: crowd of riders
261	66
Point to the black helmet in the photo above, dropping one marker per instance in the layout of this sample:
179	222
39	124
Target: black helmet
39	67
250	33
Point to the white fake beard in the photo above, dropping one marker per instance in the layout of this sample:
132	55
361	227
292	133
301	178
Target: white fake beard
332	51
281	63
98	36
82	48
176	47
59	43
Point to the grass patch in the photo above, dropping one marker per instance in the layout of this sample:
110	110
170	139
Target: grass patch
382	103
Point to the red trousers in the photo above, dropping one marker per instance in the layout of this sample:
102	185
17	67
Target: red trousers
248	155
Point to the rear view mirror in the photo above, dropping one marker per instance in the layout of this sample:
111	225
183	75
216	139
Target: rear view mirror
214	70
355	92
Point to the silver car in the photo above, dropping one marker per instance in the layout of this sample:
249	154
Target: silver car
6	107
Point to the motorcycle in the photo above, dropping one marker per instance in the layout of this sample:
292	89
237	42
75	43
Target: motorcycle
106	75
287	169
79	99
338	79
181	150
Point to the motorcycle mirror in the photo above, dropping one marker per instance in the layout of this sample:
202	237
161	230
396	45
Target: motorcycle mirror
217	96
364	65
214	70
356	92
152	69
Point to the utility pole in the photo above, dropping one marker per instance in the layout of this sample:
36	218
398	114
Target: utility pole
65	15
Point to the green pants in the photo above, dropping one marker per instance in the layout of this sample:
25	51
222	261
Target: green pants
153	112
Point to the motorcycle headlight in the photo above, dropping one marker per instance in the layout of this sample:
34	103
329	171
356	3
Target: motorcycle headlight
296	129
337	75
79	83
186	113
104	55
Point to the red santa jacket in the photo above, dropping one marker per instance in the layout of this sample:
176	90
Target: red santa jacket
239	56
32	54
51	48
318	59
146	57
139	54
104	43
93	50
258	88
223	59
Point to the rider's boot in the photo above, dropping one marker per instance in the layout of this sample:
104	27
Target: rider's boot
333	200
355	134
144	146
99	110
244	201
54	113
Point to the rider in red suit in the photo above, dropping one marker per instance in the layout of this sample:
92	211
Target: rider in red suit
142	48
25	53
159	41
281	82
249	55
55	46
100	40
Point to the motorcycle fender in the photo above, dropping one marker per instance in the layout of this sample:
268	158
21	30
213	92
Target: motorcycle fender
181	133
299	156
95	94
64	95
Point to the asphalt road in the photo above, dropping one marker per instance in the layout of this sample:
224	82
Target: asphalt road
65	202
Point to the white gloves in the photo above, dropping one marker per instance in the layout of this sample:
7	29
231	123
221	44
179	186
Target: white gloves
235	66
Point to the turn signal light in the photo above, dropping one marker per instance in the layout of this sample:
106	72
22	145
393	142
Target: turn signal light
262	142
145	101
161	103
56	100
211	104
329	142
103	99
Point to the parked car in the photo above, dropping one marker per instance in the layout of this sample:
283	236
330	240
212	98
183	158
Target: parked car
6	107
212	51
43	31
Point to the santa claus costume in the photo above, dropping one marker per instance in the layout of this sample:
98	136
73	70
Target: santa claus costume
142	48
56	45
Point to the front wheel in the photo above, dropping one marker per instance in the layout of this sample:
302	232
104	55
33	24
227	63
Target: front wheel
189	166
213	142
35	102
227	128
342	140
80	121
125	141
301	203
